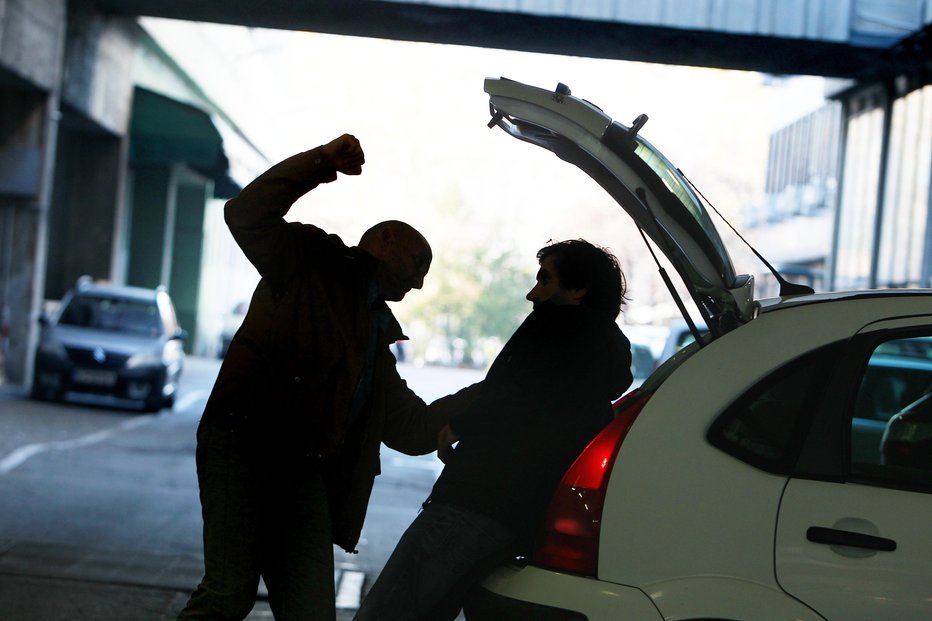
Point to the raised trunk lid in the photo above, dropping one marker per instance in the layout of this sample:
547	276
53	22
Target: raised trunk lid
646	185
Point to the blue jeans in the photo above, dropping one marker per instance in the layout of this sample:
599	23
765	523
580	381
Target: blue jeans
441	555
265	514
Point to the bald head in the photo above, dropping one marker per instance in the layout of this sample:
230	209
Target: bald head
404	257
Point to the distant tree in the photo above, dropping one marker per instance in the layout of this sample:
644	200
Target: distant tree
471	296
501	304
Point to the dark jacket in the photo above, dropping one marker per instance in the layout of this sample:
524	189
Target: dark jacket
548	393
295	364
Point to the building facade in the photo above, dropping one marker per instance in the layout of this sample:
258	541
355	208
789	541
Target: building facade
848	202
110	157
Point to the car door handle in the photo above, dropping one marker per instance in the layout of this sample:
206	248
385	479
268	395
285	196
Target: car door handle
835	537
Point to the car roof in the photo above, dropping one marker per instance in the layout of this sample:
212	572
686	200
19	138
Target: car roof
773	304
142	294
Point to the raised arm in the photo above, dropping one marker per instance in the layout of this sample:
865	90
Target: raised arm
256	216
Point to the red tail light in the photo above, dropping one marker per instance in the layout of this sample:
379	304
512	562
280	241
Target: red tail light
569	537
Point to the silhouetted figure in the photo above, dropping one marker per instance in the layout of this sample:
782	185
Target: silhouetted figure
548	393
288	445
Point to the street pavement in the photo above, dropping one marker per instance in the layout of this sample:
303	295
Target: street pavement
55	582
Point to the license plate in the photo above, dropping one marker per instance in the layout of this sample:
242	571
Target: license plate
95	377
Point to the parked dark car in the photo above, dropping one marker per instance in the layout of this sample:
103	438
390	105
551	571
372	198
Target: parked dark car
679	337
642	362
891	392
115	341
907	438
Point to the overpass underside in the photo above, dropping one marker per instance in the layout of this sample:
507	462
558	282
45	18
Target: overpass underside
856	39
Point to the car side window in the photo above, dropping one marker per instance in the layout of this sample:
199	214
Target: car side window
167	313
766	425
891	419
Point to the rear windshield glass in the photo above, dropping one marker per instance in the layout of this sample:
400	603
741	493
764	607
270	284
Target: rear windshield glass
677	185
113	314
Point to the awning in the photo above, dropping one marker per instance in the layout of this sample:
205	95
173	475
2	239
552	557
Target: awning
167	131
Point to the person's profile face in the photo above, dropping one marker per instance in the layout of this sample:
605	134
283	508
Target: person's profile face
405	269
548	287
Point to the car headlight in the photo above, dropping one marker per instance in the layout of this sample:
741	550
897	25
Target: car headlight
173	356
145	359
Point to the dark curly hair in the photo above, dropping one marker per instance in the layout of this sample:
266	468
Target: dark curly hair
583	265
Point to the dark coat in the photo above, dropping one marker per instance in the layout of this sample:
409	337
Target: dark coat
546	396
294	365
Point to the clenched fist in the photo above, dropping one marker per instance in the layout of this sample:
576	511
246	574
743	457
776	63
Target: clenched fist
344	154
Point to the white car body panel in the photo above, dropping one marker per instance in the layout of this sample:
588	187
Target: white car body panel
667	517
694	528
720	597
877	584
854	584
599	601
685	497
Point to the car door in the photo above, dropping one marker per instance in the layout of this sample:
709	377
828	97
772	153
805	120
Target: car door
853	538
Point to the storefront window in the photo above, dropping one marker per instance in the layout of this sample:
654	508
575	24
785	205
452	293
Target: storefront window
904	224
858	211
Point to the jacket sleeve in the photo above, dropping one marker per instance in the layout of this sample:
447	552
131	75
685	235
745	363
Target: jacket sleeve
411	426
256	216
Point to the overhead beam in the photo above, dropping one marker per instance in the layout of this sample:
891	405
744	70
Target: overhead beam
536	33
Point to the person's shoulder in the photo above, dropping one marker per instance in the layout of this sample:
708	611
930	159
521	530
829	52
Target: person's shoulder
320	240
597	329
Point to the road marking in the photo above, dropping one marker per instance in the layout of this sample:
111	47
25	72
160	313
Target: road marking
350	591
190	399
433	465
20	455
348	585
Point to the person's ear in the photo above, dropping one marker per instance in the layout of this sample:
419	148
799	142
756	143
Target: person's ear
575	296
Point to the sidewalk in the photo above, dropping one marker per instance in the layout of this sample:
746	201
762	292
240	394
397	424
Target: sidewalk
28	598
43	582
143	588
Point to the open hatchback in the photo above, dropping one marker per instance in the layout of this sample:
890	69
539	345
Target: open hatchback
643	182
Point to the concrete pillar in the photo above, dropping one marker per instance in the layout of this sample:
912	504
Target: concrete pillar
193	194
166	235
151	199
83	214
29	121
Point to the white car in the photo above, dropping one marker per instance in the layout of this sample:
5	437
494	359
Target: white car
744	480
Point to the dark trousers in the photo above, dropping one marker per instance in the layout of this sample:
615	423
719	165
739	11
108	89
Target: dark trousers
441	556
265	514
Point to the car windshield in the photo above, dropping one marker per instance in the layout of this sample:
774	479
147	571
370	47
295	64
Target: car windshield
113	314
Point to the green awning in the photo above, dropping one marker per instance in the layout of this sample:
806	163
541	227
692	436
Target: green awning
167	131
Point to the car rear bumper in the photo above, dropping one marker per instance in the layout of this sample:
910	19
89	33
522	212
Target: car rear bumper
484	605
514	593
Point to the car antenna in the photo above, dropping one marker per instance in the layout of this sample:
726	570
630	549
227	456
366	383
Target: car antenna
666	277
786	287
